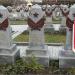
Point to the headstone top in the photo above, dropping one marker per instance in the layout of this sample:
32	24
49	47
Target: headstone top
65	8
61	6
48	10
72	6
26	8
72	12
9	8
3	13
43	7
36	13
36	6
2	8
53	6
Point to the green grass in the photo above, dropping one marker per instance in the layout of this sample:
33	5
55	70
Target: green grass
22	38
49	38
56	21
18	22
55	38
23	22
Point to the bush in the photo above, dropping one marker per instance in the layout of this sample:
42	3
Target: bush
6	2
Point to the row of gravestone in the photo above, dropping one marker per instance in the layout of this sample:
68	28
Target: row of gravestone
21	12
14	14
18	12
51	12
37	47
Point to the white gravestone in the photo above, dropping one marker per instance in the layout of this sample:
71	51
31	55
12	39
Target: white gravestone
9	8
54	6
25	13
37	46
48	12
70	21
43	7
8	50
56	13
65	12
67	57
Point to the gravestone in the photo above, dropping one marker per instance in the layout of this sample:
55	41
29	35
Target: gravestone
54	6
69	31
9	8
56	13
65	11
25	13
48	12
13	15
67	56
8	50
37	45
43	7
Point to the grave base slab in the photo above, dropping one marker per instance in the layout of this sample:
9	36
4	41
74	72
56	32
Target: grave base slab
66	59
9	55
41	55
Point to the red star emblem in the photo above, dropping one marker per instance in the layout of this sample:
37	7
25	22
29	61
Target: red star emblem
35	14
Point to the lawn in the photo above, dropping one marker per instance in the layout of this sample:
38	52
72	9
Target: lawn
18	22
49	38
22	38
55	38
23	22
56	21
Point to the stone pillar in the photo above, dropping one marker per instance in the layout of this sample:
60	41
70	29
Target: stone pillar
37	45
68	39
8	50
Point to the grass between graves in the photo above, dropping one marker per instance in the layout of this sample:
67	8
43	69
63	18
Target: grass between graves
56	21
18	22
49	38
24	22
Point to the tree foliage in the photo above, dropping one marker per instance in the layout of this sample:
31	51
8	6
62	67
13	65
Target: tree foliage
6	2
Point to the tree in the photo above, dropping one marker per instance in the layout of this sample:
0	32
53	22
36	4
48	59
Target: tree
6	2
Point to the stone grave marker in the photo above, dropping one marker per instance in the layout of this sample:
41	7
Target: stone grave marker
43	7
56	13
8	50
67	56
65	11
48	12
37	45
